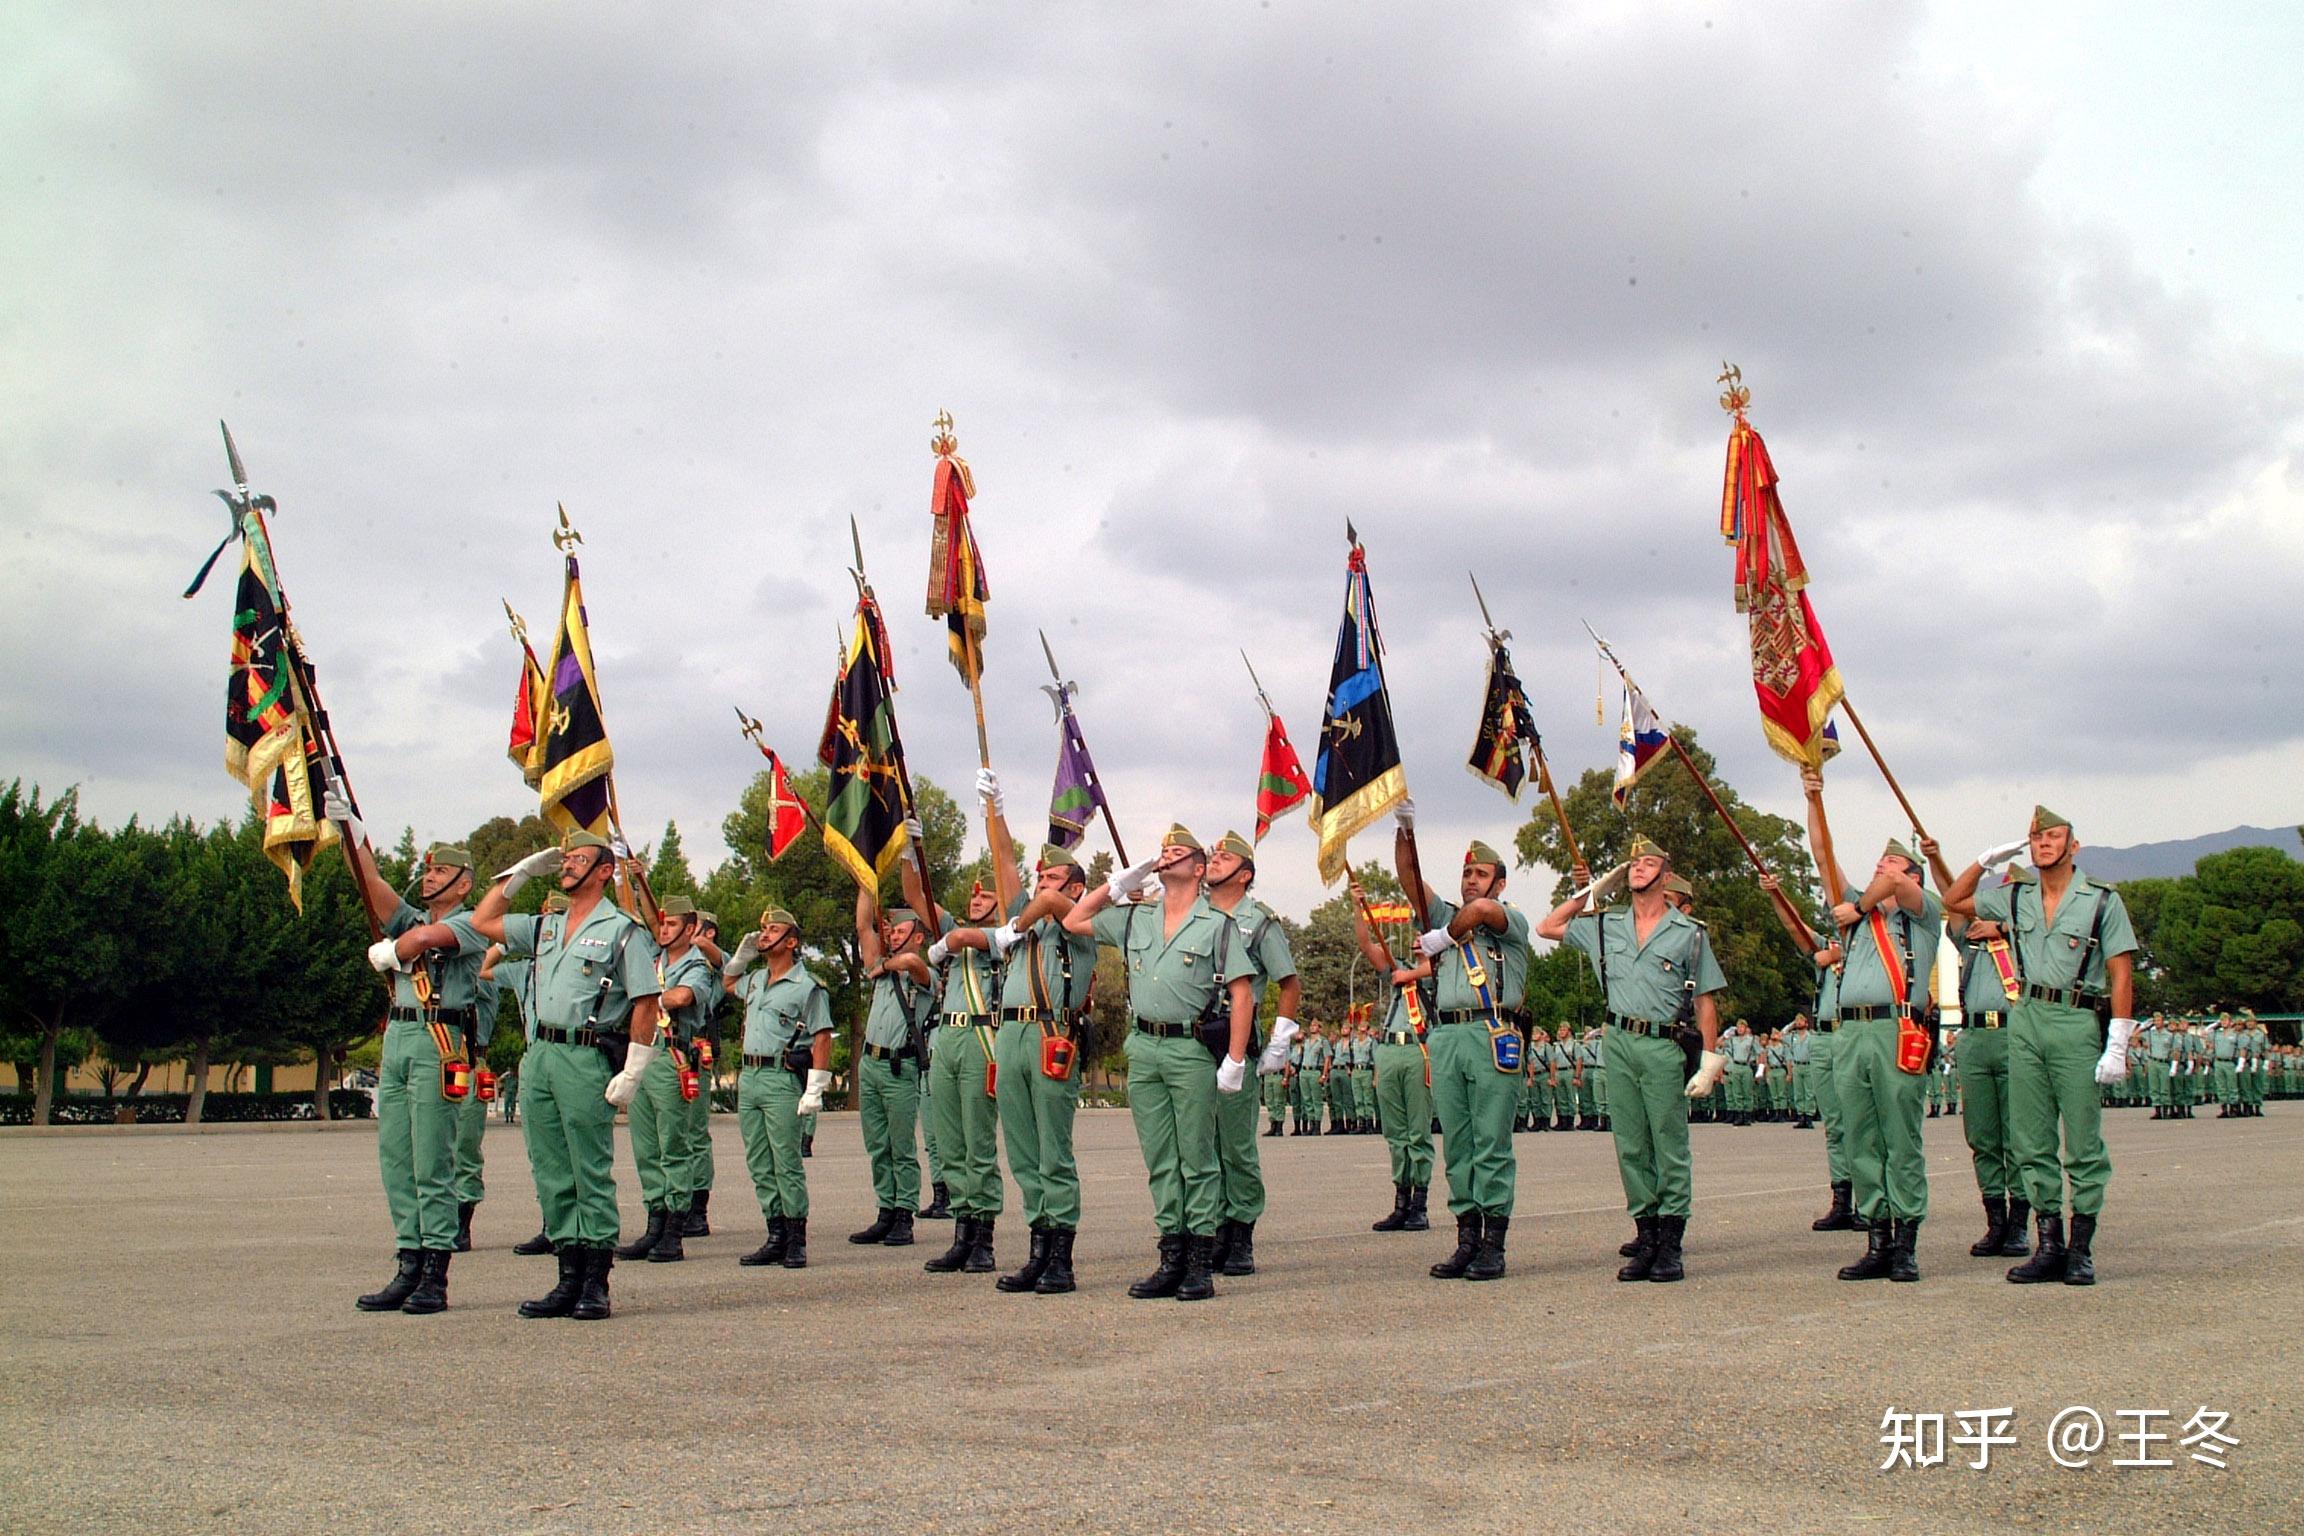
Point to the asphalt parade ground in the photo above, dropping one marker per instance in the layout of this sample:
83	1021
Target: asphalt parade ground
179	1352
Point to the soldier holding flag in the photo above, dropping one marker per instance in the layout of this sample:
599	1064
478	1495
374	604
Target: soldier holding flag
1231	870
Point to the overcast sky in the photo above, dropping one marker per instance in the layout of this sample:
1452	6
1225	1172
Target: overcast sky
2017	298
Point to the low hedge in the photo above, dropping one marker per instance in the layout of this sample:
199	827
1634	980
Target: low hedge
169	1108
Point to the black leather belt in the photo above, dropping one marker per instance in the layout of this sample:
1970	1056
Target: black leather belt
2068	997
1466	1016
459	1018
1400	1037
1164	1031
884	1052
763	1061
1657	1028
1826	1026
1037	1016
966	1020
1870	1013
1985	1020
567	1036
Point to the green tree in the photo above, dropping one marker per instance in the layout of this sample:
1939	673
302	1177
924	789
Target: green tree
61	959
1328	960
500	842
2228	935
670	875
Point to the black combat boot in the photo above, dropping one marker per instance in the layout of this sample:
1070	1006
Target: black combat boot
1239	1256
2047	1261
669	1249
1539	1122
796	1242
1840	1218
1164	1280
2079	1260
1199	1282
641	1246
463	1244
1488	1258
431	1293
1036	1265
1467	1244
878	1231
980	1260
1669	1231
939	1209
1056	1278
1805	1122
561	1299
696	1225
540	1243
899	1230
771	1251
1418	1219
2012	1243
1903	1243
1934	1110
1641	1251
397	1289
1560	1122
807	1146
949	1262
1995	1228
1274	1131
592	1293
1398	1220
1874	1264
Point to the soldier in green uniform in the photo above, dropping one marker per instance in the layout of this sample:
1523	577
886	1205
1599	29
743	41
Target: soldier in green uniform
433	955
704	1051
1272	1083
1535	1090
1337	1079
787	1020
1560	1076
1038	1058
888	1077
517	973
596	992
1478	946
1800	1071
2074	953
1592	1079
1823	1054
961	1066
1940	1070
1658	976
1186	965
1364	1077
472	1114
1231	870
662	1144
2255	1042
2223	1066
1741	1051
1403	1086
1314	1081
1983	1068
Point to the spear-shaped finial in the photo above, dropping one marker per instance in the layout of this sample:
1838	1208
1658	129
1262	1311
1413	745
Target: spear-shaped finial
1062	690
565	538
943	444
749	726
1496	637
1262	697
1735	397
519	624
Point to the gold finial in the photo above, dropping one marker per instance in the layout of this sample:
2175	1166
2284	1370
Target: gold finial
749	726
565	537
519	624
1735	397
943	444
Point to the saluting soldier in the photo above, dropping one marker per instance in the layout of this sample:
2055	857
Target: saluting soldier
433	955
472	1114
787	1062
1364	1076
961	1065
2224	1068
1403	1091
888	1076
663	1147
2075	954
1478	946
1536	1096
705	1052
1800	1072
1592	1078
1312	1081
2255	1042
596	1011
1231	870
1560	1073
1742	1051
517	973
1187	968
1824	1053
1659	977
1983	1068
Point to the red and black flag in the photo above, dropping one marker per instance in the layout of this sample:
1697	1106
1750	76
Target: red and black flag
870	797
530	706
957	590
1507	736
1357	775
573	757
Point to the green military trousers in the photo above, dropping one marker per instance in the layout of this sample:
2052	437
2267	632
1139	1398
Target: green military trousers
1475	1103
658	1120
1650	1121
696	1114
1882	1109
2252	1085
928	1147
1274	1087
967	1120
1239	1166
1404	1107
416	1139
1739	1086
2224	1080
1804	1084
768	1113
471	1127
1364	1092
2157	1081
1036	1115
888	1102
571	1141
1824	1078
2052	1053
1340	1110
1172	1098
1983	1068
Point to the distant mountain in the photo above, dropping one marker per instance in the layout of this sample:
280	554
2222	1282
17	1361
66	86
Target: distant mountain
2170	860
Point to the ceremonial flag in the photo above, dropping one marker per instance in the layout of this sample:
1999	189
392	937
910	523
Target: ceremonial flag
269	743
529	707
956	586
1282	781
574	758
868	802
1792	670
1357	775
1507	731
1639	742
787	817
1078	794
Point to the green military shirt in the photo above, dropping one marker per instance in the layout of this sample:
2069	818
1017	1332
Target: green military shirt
1775	1058
1056	950
589	975
1173	980
1315	1053
781	1009
1796	1052
455	974
1739	1047
694	972
1265	942
1865	980
1827	994
2048	954
1296	1055
2159	1042
971	977
1980	989
1363	1053
1504	956
898	1002
2226	1046
1591	1052
1648	981
521	979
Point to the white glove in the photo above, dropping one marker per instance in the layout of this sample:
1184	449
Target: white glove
1149	888
915	841
1707	1078
1276	1051
541	862
1608	884
813	1099
335	807
2112	1066
1760	1073
746	951
939	952
1404	814
1435	943
1005	938
1994	857
1123	885
988	790
624	1087
1232	1075
384	954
